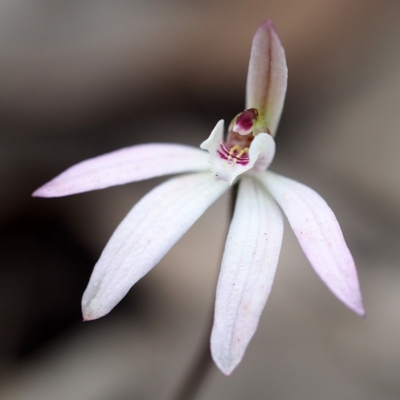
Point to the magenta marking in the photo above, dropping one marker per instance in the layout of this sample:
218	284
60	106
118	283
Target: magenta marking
224	150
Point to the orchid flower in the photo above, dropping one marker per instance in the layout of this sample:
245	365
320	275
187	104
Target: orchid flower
254	240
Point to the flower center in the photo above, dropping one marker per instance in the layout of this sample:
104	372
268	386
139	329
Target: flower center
240	134
247	145
235	154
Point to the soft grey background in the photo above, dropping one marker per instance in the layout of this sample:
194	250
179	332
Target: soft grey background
78	79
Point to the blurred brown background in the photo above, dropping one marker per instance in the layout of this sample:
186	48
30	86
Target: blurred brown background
78	79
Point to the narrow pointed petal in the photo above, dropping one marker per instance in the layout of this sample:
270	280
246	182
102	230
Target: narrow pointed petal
267	75
247	272
226	168
146	234
320	237
129	164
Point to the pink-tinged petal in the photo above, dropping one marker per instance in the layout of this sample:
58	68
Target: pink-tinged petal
247	272
146	234
225	167
319	235
267	75
129	164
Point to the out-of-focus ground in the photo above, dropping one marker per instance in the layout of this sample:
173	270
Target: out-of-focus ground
78	79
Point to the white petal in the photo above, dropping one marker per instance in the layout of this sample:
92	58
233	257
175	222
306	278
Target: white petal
129	164
247	272
213	142
267	76
146	234
319	235
261	154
